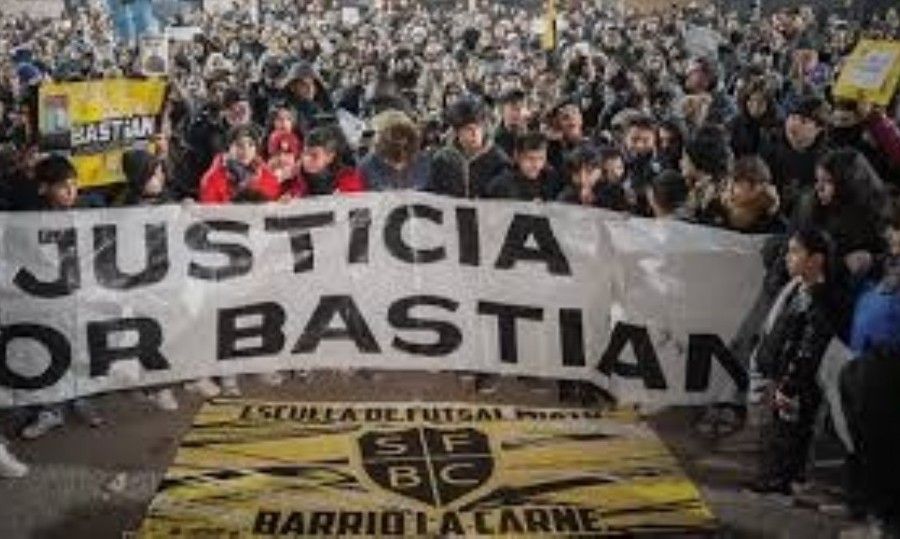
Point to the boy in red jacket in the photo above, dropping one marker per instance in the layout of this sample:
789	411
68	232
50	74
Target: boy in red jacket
323	171
240	173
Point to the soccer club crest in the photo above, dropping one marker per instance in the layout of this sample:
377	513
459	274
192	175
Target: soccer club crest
433	466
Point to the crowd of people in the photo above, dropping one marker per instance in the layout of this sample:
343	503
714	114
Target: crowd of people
629	113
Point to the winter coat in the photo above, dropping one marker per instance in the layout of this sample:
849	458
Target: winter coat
607	195
454	175
344	180
220	186
850	227
791	351
758	215
876	320
511	185
793	171
380	176
748	135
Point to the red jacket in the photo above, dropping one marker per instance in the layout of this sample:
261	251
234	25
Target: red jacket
886	135
346	180
216	188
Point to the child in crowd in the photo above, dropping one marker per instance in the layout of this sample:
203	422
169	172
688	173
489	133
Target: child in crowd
57	183
797	332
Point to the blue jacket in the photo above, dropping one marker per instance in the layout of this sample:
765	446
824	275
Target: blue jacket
876	321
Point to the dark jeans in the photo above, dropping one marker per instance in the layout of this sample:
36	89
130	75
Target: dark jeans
786	444
870	389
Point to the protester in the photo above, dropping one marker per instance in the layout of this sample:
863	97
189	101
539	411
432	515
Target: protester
238	171
395	161
707	166
57	181
595	179
750	201
530	179
323	169
464	168
849	203
793	154
789	355
667	196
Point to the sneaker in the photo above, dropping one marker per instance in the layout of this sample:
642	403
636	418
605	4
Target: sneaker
230	387
165	400
10	466
46	421
204	387
271	379
86	412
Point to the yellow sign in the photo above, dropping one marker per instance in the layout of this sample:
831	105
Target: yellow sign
259	469
95	122
549	38
871	73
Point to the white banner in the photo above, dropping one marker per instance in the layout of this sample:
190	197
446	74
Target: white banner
100	300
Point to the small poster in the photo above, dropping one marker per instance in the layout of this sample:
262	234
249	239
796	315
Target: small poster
872	72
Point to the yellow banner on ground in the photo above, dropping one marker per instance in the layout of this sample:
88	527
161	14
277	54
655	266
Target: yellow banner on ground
94	122
871	73
258	469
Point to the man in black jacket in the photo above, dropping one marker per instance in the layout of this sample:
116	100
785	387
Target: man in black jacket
513	120
531	179
464	167
793	155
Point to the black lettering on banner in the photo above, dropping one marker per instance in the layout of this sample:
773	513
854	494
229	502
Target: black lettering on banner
565	520
516	249
393	234
298	229
354	328
537	520
239	257
322	523
52	340
451	524
349	523
268	333
591	520
145	350
702	349
69	278
510	522
360	234
481	524
469	242
571	335
106	263
266	523
507	315
647	367
293	524
449	337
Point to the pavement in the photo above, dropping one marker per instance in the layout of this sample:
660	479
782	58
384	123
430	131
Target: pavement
96	483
